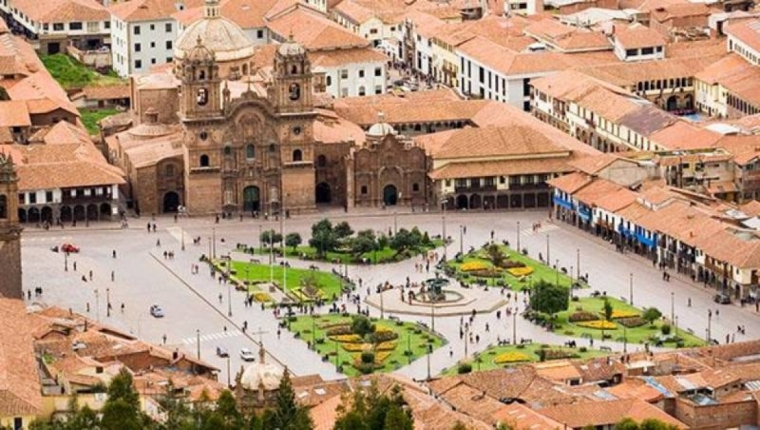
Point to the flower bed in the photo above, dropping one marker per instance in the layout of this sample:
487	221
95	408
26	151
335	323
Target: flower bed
347	338
262	297
487	273
339	329
599	325
582	316
386	346
632	322
472	266
558	354
617	314
520	271
354	347
381	356
511	357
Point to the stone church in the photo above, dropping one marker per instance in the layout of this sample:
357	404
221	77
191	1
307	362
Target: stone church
238	130
10	231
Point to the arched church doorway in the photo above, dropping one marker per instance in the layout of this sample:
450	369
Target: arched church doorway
251	199
323	193
171	202
390	195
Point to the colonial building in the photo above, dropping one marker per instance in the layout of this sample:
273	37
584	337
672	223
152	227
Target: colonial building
10	231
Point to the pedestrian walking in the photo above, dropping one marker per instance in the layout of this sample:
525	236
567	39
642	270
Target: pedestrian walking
113	276
114	253
689	301
75	266
158	243
88	306
90	275
220	297
164	338
122	308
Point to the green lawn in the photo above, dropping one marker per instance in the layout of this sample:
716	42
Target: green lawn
409	335
486	359
639	334
385	255
90	118
540	270
327	283
72	74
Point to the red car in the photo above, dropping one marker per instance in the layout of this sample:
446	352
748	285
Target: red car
69	248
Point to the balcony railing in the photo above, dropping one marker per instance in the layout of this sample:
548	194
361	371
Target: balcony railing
475	188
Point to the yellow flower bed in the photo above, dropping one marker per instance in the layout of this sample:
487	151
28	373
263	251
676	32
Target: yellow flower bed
520	271
262	297
347	338
386	346
355	347
381	356
472	266
380	328
599	325
623	314
511	357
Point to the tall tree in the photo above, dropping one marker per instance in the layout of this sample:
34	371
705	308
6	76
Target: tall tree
292	240
226	410
287	415
343	230
549	298
122	408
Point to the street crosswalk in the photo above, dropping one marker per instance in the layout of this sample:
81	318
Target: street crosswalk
212	336
45	239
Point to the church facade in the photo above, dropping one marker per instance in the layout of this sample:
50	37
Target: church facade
10	231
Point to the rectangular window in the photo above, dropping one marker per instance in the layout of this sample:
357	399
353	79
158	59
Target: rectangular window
489	181
32	198
361	73
344	74
138	47
169	44
58	26
136	29
631	52
378	89
152	27
75	26
138	64
259	34
647	51
378	71
107	25
168	27
152	44
48	197
152	61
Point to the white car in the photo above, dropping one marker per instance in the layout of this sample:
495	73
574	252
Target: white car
247	355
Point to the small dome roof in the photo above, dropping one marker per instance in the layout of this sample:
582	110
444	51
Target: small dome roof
221	36
268	374
291	48
381	128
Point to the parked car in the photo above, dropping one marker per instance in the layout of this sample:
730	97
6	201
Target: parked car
157	311
222	351
723	299
247	355
69	248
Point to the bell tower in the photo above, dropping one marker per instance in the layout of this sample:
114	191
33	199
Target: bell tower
201	84
291	90
10	231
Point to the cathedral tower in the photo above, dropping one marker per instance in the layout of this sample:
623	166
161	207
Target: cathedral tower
10	231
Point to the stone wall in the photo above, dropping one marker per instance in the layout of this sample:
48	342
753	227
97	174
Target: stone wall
717	417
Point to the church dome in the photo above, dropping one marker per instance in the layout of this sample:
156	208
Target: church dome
261	373
291	49
381	128
221	36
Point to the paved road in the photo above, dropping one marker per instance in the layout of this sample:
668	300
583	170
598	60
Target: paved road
143	277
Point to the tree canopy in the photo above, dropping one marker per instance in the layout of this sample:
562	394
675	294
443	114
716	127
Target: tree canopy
549	298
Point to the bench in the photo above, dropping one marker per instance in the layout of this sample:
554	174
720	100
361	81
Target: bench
393	318
605	348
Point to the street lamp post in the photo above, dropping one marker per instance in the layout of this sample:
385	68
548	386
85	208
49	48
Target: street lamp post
108	302
183	239
514	328
461	239
556	272
229	380
625	339
261	244
65	261
443	228
429	353
548	251
518	237
709	326
578	263
229	286
282	248
209	249
672	306
466	339
97	305
213	234
382	307
630	289
395	222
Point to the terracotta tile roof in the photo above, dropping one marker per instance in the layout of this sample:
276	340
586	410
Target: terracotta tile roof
746	30
607	413
50	11
20	392
17	57
109	92
557	370
490	141
565	37
405	110
638	36
149	10
682	10
597	190
633	388
248	14
504	61
682	135
150	152
744	148
520	416
330	128
571	182
61	133
744	84
44	92
628	74
325	414
474	169
696	48
354	12
345	57
594	164
314	31
14	113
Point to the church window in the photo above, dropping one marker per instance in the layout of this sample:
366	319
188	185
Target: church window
202	75
295	92
245	69
3	206
204	160
227	150
321	161
297	155
271	147
294	70
202	97
415	187
364	190
250	151
203	135
169	170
